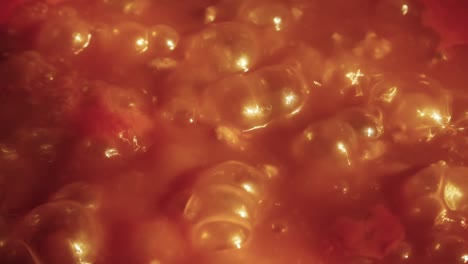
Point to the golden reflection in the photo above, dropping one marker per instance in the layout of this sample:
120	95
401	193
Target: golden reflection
404	9
370	132
237	241
111	152
342	148
255	128
452	195
309	135
436	116
136	146
278	21
242	212
133	141
248	188
317	84
290	99
243	63
170	44
354	76
389	95
210	14
141	45
79	250
464	258
253	111
80	42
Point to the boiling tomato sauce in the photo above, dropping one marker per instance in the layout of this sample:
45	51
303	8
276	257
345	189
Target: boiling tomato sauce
233	131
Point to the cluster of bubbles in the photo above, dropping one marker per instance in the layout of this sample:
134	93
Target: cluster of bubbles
436	198
89	84
65	229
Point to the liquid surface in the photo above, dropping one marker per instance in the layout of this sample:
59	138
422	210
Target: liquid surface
231	131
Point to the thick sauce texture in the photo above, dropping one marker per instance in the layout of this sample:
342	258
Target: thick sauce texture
232	131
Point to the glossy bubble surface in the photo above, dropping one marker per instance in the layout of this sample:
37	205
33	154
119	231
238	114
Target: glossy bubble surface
263	97
223	205
13	251
225	48
88	195
64	227
71	36
273	14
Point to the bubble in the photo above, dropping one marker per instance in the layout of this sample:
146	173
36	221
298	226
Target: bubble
273	14
419	109
368	126
427	181
399	11
237	174
373	46
130	39
424	210
331	141
128	7
403	253
287	86
438	194
223	206
348	78
456	189
420	117
163	39
248	107
384	93
62	232
65	35
268	95
88	195
225	48
367	123
309	60
448	249
14	251
412	42
450	221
